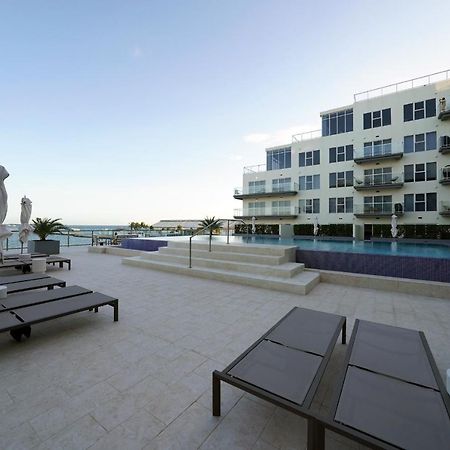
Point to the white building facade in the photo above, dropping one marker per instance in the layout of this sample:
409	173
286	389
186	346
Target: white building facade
387	153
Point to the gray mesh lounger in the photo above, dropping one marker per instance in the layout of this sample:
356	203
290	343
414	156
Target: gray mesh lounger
390	394
18	321
60	260
286	364
25	277
48	282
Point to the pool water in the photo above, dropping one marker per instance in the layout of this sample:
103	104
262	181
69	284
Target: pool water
377	248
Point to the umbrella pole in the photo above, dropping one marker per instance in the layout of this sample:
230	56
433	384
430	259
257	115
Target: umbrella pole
21	247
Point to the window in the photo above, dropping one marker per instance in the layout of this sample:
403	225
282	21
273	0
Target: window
420	202
256	187
341	179
279	159
420	172
340	205
282	207
380	176
338	154
256	208
377	148
308	182
309	206
337	123
378	204
420	142
311	158
419	110
377	119
281	185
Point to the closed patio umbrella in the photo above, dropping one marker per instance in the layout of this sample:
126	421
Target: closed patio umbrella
394	229
253	225
25	227
4	231
316	226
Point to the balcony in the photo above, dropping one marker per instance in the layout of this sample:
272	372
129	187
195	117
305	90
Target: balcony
378	210
283	190
377	153
444	209
444	146
255	169
289	212
445	175
444	115
379	181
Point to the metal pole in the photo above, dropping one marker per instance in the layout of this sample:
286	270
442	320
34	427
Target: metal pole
210	237
228	231
68	238
190	252
92	238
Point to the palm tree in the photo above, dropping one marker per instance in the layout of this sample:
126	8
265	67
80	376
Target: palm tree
213	224
45	227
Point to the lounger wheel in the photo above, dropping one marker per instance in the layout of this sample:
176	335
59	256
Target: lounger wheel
18	332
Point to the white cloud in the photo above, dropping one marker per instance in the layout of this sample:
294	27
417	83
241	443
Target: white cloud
279	137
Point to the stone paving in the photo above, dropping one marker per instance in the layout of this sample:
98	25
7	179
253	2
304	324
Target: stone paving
145	382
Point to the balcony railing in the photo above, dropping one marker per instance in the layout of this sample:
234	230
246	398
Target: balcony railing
255	169
444	145
444	209
377	153
300	137
284	189
269	212
378	209
445	175
403	85
378	181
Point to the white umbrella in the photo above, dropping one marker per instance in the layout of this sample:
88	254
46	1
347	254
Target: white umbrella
316	226
4	231
25	227
394	229
253	225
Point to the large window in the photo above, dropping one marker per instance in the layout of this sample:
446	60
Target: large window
420	142
378	204
279	159
309	206
309	182
337	122
341	179
281	207
340	205
256	208
379	176
420	172
256	187
378	148
419	110
281	185
421	202
311	158
338	154
377	119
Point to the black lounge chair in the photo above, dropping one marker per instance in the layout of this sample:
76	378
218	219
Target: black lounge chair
18	321
390	392
60	260
47	282
19	278
286	364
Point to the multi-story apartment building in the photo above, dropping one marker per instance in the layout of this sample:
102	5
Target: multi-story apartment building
387	153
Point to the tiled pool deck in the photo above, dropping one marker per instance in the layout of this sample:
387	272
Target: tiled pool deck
144	382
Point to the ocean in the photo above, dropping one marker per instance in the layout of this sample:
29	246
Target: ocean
75	235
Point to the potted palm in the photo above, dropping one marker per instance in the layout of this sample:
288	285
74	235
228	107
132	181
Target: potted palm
44	228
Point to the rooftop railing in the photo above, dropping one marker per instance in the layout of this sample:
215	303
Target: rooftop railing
306	136
255	169
402	85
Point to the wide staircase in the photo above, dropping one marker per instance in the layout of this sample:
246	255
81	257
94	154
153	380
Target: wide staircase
265	266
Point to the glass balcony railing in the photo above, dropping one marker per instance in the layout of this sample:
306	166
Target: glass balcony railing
378	209
444	208
280	211
279	189
445	175
378	180
376	152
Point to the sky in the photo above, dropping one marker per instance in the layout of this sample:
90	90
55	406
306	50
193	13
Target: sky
120	111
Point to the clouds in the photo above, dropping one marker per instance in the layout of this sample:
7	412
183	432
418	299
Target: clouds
278	137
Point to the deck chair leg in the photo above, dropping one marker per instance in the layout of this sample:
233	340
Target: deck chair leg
96	309
316	435
116	310
344	332
215	394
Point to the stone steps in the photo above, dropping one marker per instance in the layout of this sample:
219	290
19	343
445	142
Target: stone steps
269	267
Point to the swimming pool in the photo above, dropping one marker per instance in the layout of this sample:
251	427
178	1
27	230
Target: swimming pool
365	247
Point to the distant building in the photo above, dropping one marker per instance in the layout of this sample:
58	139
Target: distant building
387	153
173	225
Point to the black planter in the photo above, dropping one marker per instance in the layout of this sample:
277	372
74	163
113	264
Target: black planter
48	247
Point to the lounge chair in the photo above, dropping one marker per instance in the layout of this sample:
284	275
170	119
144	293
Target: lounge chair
18	321
286	364
390	393
47	282
18	278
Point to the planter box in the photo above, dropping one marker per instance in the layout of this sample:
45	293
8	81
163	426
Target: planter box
49	247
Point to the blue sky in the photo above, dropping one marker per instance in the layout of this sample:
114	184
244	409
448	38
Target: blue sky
119	111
